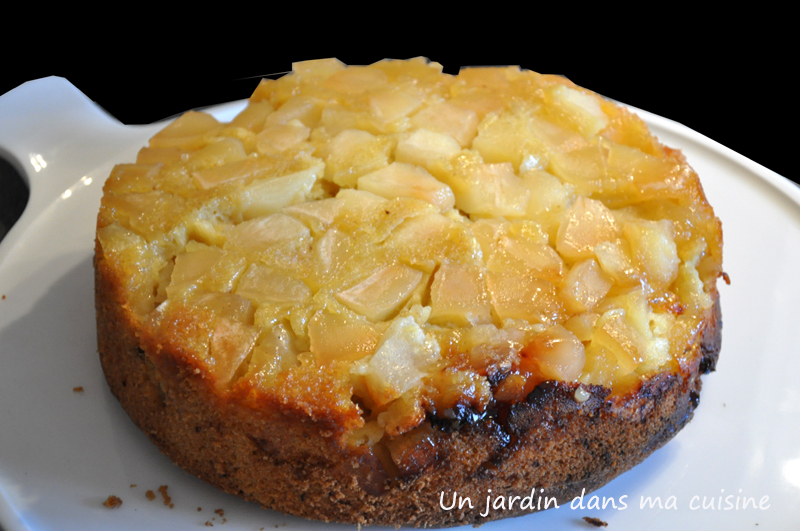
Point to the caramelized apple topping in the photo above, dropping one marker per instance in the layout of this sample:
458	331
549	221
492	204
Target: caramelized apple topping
394	243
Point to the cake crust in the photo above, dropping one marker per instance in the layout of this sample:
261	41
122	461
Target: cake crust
291	462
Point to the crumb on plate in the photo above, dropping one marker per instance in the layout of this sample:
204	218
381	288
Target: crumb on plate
112	502
163	490
595	521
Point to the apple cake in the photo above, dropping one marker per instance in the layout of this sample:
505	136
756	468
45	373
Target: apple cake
379	287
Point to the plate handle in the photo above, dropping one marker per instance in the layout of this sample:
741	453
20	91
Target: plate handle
54	135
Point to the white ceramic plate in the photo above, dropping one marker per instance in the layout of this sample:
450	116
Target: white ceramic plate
62	453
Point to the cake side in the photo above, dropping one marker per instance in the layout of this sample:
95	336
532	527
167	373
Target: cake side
275	457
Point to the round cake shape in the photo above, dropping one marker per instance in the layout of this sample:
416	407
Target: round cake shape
381	286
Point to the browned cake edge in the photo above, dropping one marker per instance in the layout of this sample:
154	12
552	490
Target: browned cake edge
293	464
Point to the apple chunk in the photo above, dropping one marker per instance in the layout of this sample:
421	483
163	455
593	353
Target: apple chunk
190	131
267	196
452	120
280	137
389	106
459	296
654	250
424	147
261	283
231	343
206	268
526	257
582	109
588	223
353	153
265	233
487	189
584	286
532	299
382	293
404	356
336	337
557	354
406	180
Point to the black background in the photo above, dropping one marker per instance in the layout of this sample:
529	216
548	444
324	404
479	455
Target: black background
722	85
